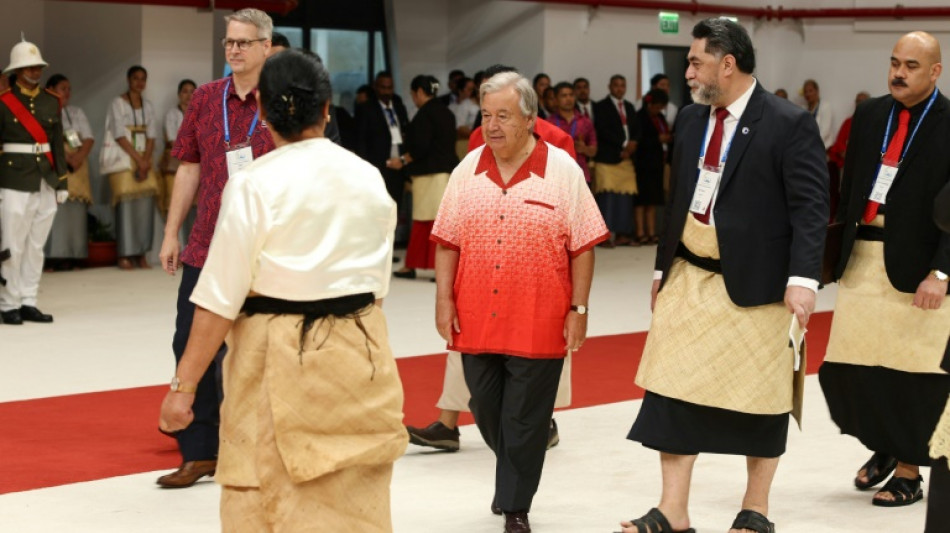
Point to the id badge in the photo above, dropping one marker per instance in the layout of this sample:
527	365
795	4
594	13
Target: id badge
72	139
395	134
139	141
885	177
238	158
706	186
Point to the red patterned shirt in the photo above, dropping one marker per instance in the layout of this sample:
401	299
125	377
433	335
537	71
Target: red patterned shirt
201	140
515	244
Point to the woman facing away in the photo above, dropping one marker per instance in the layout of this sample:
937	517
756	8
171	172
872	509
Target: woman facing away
301	257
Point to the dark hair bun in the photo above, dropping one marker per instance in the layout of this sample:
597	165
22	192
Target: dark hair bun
294	89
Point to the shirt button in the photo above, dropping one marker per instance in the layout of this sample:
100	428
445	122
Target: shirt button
504	191
493	315
497	267
495	291
502	217
498	241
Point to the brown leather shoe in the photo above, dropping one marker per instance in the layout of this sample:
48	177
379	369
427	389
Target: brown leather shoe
517	523
187	474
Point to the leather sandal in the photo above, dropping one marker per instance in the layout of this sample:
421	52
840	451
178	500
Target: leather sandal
655	522
906	491
878	467
752	520
126	264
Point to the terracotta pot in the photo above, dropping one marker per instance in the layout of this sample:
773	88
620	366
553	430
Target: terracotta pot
102	254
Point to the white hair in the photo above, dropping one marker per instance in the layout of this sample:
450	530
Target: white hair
501	81
249	15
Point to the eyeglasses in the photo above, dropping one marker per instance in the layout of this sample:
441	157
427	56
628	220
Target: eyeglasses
242	44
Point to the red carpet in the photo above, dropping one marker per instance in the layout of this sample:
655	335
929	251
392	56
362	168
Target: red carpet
84	437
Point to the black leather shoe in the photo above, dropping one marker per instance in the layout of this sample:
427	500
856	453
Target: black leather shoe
407	274
517	523
31	314
11	317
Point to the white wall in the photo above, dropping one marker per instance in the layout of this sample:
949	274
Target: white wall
20	16
482	34
422	39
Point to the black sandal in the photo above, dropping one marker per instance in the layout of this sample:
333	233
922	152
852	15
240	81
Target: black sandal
906	491
749	519
655	522
878	467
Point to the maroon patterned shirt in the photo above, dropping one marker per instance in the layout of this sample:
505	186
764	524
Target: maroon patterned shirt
201	140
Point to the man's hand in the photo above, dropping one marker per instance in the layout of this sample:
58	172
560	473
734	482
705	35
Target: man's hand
446	319
653	292
169	254
930	293
575	330
62	196
176	412
800	301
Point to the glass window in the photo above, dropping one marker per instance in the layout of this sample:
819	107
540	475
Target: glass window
294	35
345	53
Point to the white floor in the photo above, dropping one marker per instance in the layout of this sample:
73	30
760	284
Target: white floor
113	330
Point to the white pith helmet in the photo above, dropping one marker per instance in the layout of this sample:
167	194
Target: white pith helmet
24	54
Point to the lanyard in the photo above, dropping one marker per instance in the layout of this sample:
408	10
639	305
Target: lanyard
702	151
135	121
890	119
69	120
227	125
559	119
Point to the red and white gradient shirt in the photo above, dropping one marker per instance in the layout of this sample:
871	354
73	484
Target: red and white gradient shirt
515	244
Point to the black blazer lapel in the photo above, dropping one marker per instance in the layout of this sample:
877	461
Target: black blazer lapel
692	138
745	130
934	116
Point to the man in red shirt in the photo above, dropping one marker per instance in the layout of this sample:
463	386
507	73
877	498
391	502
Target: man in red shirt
221	132
513	298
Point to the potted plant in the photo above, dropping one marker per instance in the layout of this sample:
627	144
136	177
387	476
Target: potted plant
102	250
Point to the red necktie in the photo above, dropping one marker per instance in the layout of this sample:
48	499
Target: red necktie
623	116
712	153
891	158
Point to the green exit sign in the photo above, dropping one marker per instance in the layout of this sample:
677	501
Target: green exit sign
669	22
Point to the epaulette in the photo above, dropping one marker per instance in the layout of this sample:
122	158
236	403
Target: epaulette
57	96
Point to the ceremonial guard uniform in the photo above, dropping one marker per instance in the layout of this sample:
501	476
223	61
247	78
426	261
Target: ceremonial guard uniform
32	172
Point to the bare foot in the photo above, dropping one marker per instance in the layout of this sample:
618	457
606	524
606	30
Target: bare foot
143	262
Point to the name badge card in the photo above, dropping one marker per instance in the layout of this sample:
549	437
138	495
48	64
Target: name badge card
72	139
238	158
706	186
395	134
885	177
139	141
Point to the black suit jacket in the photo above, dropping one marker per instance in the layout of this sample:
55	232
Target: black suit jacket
942	209
609	128
373	140
913	244
772	207
430	140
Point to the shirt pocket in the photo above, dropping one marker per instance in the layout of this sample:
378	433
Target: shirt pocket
540	203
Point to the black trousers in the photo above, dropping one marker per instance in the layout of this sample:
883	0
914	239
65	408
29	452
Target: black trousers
199	441
938	513
512	402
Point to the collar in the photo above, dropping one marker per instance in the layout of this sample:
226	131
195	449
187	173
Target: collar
32	93
232	91
738	107
918	107
390	106
615	101
536	164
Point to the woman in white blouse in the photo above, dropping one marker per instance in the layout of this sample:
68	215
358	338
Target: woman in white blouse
127	158
68	241
301	257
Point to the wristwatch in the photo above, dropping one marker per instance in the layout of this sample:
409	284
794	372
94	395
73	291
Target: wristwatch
580	309
178	386
939	275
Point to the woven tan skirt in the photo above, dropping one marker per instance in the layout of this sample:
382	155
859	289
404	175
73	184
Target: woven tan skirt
125	187
77	182
620	178
321	425
704	349
876	325
940	442
427	192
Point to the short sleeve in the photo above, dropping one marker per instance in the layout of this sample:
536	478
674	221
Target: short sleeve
229	271
116	120
171	124
186	142
445	230
153	125
81	122
584	219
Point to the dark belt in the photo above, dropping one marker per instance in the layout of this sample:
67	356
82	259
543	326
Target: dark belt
870	233
706	263
340	307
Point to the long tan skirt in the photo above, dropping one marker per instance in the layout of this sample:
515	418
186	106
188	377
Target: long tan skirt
308	436
940	442
876	325
77	181
704	349
125	187
620	178
455	393
427	192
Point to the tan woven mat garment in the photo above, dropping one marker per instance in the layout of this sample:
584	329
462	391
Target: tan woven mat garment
77	182
336	405
875	324
427	192
940	442
704	349
619	178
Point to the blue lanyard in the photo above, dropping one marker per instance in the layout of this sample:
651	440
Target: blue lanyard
890	119
559	119
725	153
227	125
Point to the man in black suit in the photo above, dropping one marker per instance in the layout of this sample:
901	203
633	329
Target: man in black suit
942	209
741	253
615	182
380	129
882	377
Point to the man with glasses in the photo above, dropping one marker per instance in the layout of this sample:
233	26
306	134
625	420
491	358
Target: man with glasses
221	133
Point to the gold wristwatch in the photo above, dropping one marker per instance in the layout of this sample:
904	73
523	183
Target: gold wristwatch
178	386
580	309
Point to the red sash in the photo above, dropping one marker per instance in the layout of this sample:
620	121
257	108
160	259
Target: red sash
29	122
